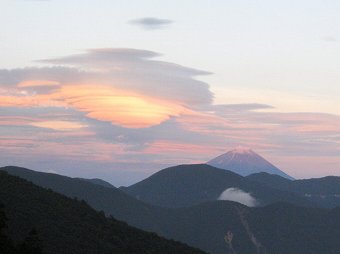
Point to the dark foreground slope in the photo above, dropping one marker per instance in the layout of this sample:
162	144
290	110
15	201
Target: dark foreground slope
66	225
187	185
275	229
290	229
110	200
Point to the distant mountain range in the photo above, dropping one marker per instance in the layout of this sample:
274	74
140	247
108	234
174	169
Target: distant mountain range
97	181
325	191
245	161
188	185
200	220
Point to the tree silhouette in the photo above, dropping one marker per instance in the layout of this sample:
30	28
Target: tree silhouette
31	244
5	243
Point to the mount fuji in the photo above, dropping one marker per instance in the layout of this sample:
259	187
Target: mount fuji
245	161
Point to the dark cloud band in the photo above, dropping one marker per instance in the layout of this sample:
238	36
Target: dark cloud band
151	23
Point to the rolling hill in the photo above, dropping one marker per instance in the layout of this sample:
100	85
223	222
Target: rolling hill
98	182
187	185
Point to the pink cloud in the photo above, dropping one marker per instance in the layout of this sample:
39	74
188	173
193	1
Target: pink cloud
122	105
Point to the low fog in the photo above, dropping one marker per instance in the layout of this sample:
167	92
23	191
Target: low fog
238	195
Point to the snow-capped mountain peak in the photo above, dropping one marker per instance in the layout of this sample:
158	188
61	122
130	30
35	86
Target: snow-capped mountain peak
245	161
242	150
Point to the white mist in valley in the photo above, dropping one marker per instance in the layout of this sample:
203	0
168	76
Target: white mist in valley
238	195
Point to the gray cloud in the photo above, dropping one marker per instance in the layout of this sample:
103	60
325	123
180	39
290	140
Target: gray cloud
121	68
103	57
151	23
238	195
117	60
10	78
141	138
130	69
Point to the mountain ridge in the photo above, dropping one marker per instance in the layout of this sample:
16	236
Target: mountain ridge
191	184
324	191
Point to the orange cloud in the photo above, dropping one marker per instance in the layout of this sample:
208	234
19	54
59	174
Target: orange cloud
16	120
59	125
36	83
30	101
119	107
101	102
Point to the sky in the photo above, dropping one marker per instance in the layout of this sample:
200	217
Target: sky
121	89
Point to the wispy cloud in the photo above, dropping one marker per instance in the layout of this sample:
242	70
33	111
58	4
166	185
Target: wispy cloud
151	23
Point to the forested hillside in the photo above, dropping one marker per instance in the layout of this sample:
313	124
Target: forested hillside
67	225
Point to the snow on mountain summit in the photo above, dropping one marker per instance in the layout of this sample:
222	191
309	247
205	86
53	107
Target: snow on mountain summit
245	161
242	150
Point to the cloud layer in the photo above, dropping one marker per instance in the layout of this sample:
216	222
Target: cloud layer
238	195
132	107
122	86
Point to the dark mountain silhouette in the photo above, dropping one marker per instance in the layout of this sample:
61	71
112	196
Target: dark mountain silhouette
284	228
326	185
67	225
279	228
110	200
271	180
323	191
244	161
98	182
205	225
188	185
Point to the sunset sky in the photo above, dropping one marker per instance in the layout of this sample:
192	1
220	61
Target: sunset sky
121	89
